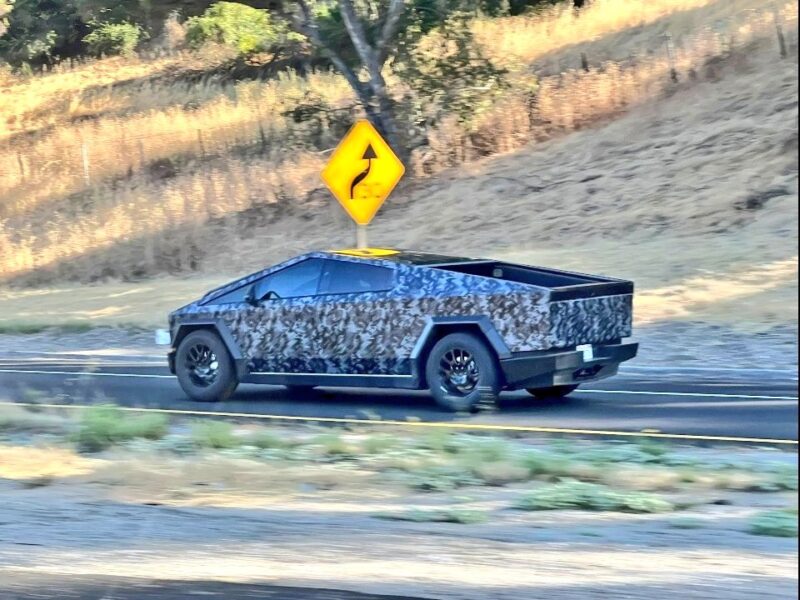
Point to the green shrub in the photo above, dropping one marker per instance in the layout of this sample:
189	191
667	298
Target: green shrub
442	515
442	478
775	523
103	426
110	39
267	441
333	445
241	27
213	434
589	496
539	462
379	443
785	477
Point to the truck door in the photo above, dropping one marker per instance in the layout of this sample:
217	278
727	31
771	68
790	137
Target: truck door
355	332
276	330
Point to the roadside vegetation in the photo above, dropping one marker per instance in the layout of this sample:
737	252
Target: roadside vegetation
139	161
454	470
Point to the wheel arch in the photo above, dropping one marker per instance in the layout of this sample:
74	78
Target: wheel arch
438	327
222	330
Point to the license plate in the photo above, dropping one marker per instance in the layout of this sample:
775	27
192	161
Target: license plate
588	352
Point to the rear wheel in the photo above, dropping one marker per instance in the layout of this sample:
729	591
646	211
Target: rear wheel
205	368
462	373
552	393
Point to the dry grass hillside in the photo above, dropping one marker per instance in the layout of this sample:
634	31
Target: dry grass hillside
694	197
687	186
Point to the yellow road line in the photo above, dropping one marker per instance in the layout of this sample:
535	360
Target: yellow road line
646	433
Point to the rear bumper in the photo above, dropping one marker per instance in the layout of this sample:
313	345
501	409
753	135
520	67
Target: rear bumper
549	368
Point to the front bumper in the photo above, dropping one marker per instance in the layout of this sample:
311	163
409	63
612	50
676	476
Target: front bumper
552	368
171	360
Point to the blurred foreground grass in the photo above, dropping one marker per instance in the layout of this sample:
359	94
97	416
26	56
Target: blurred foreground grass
539	474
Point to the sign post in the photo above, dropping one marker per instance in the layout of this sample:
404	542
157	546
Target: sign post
361	237
361	173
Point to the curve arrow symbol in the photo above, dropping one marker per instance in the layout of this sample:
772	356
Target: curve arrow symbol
369	154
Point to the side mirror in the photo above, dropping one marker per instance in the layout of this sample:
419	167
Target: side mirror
250	296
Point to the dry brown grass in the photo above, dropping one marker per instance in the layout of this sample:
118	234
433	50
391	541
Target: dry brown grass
516	40
53	213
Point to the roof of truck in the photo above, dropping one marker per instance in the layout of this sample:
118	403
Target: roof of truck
411	257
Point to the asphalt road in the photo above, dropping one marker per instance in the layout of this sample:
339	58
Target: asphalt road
739	403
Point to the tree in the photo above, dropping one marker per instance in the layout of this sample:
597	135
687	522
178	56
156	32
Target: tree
42	31
372	53
5	8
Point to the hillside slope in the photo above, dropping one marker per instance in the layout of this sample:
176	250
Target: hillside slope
703	182
695	197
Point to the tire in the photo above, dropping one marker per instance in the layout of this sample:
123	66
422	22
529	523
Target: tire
197	354
552	393
475	383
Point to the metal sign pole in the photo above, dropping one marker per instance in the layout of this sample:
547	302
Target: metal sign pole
361	237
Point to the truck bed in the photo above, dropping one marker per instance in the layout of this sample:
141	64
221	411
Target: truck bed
563	285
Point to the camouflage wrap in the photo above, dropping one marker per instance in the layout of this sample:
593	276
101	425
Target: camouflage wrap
376	333
590	320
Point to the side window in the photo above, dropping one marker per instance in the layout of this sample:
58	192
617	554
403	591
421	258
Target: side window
300	279
347	277
234	297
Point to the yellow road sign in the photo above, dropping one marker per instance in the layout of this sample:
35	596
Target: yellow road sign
367	252
362	172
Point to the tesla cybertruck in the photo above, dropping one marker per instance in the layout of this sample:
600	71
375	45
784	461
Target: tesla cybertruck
464	328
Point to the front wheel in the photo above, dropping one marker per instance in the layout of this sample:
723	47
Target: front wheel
462	373
552	393
205	368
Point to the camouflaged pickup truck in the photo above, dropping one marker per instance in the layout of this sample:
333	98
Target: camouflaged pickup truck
464	328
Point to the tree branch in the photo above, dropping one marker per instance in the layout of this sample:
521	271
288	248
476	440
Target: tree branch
307	25
357	35
390	26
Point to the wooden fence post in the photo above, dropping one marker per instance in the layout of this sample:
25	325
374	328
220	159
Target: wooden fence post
85	161
779	33
200	142
673	72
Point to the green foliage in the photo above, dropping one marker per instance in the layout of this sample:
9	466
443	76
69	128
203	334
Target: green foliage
450	74
5	8
267	441
110	39
539	462
101	427
784	477
442	478
332	445
42	31
379	443
589	496
213	434
241	27
443	515
775	523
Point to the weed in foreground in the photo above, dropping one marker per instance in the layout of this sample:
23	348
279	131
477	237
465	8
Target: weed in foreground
774	523
30	328
30	419
589	496
101	427
445	515
214	434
